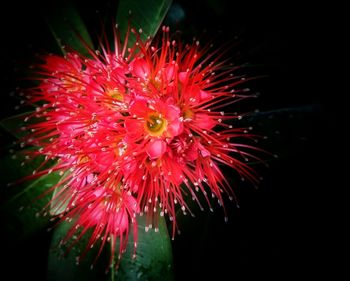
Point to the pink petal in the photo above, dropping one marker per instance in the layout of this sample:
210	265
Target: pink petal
175	128
98	192
204	121
140	68
204	95
172	112
156	149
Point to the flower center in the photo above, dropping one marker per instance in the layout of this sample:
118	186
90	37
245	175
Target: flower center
155	124
83	159
188	114
115	94
71	83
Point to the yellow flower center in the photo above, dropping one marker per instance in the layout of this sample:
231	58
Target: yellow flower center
71	83
155	124
115	94
83	159
188	114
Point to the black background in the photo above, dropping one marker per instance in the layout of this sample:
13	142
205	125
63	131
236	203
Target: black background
284	228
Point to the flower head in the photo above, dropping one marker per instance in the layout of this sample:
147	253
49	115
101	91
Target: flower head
138	133
108	212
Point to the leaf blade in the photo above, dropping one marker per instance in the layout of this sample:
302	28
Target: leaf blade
153	261
62	264
13	125
154	255
23	202
147	15
71	31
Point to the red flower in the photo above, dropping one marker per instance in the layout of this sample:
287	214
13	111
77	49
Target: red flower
153	124
142	132
77	125
109	211
176	135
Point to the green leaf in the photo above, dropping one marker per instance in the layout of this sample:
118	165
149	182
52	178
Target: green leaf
59	202
153	258
22	202
147	15
68	28
62	264
13	124
57	207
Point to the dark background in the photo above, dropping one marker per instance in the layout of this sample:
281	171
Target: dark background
284	229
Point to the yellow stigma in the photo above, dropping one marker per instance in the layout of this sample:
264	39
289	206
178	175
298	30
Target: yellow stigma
71	83
83	159
188	114
155	124
115	94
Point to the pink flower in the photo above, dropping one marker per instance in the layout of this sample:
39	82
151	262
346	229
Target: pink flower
108	211
141	133
78	126
176	132
154	123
